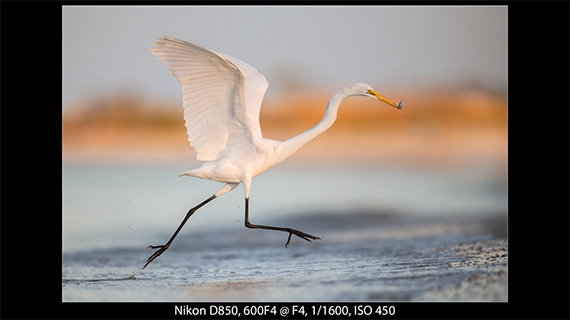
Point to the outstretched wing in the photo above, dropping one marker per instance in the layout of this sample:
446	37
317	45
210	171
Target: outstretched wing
255	87
220	102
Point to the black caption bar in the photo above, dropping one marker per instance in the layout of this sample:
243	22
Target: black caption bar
287	310
284	311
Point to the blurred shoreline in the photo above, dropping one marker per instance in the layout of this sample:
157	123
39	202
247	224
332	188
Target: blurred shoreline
437	127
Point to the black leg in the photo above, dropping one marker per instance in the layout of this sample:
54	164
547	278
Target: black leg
298	233
163	248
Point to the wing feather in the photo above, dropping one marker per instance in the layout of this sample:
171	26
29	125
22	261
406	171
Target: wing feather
255	88
221	95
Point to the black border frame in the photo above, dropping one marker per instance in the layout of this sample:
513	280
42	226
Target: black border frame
538	69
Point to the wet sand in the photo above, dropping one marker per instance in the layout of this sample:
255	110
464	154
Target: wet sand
362	257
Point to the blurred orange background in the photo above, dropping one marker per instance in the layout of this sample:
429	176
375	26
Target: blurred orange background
436	127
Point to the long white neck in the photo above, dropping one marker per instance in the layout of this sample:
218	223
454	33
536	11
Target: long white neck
288	147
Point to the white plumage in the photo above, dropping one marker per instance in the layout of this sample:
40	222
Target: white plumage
221	95
222	98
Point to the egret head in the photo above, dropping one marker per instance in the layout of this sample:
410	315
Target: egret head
363	89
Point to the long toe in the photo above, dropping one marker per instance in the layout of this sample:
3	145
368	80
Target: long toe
304	236
311	236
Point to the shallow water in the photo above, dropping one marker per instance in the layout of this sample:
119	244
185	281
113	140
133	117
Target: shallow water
384	234
395	260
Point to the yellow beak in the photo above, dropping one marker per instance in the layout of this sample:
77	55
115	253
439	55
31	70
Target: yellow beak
386	100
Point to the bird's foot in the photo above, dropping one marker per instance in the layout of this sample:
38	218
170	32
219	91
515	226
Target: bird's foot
155	255
301	235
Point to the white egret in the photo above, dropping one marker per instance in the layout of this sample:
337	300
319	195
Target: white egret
222	98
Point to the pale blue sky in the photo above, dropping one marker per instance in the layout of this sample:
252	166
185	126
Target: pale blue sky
106	49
